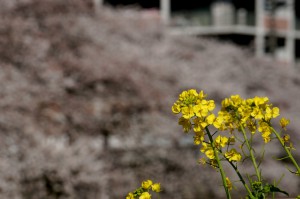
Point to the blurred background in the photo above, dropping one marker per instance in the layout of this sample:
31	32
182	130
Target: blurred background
86	89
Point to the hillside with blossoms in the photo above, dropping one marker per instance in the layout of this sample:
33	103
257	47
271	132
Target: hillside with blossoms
86	97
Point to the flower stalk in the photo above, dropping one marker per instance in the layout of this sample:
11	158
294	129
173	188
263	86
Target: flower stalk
217	158
287	150
249	147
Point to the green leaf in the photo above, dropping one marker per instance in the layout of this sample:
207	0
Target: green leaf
276	189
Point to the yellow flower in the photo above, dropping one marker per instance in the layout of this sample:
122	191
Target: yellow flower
204	147
275	112
266	131
271	113
266	136
147	184
284	122
176	108
193	92
218	122
229	184
199	124
198	138
226	102
211	105
221	141
156	187
286	138
130	196
201	110
207	150
185	123
187	112
210	153
260	100
244	111
249	101
235	100
201	95
145	195
251	126
233	155
257	113
210	119
188	97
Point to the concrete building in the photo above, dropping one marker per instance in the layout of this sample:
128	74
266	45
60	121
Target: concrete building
270	27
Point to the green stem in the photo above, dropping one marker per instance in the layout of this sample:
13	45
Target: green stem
251	154
258	174
216	153
241	178
287	150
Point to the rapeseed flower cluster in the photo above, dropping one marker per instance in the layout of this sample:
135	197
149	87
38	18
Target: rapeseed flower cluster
197	114
254	114
236	118
143	192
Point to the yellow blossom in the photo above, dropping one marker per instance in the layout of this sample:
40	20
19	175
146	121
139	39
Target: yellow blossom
225	102
156	187
185	123
260	100
145	195
257	113
271	113
233	155
210	153
221	141
201	110
244	111
218	122
286	138
198	138
251	126
147	184
211	105
187	112
188	97
266	131
249	101
229	184
210	119
199	124
130	196
207	150
284	122
201	95
176	108
236	100
205	146
266	137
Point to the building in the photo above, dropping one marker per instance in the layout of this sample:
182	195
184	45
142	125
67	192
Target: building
270	27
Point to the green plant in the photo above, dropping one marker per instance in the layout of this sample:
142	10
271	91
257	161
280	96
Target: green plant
235	126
